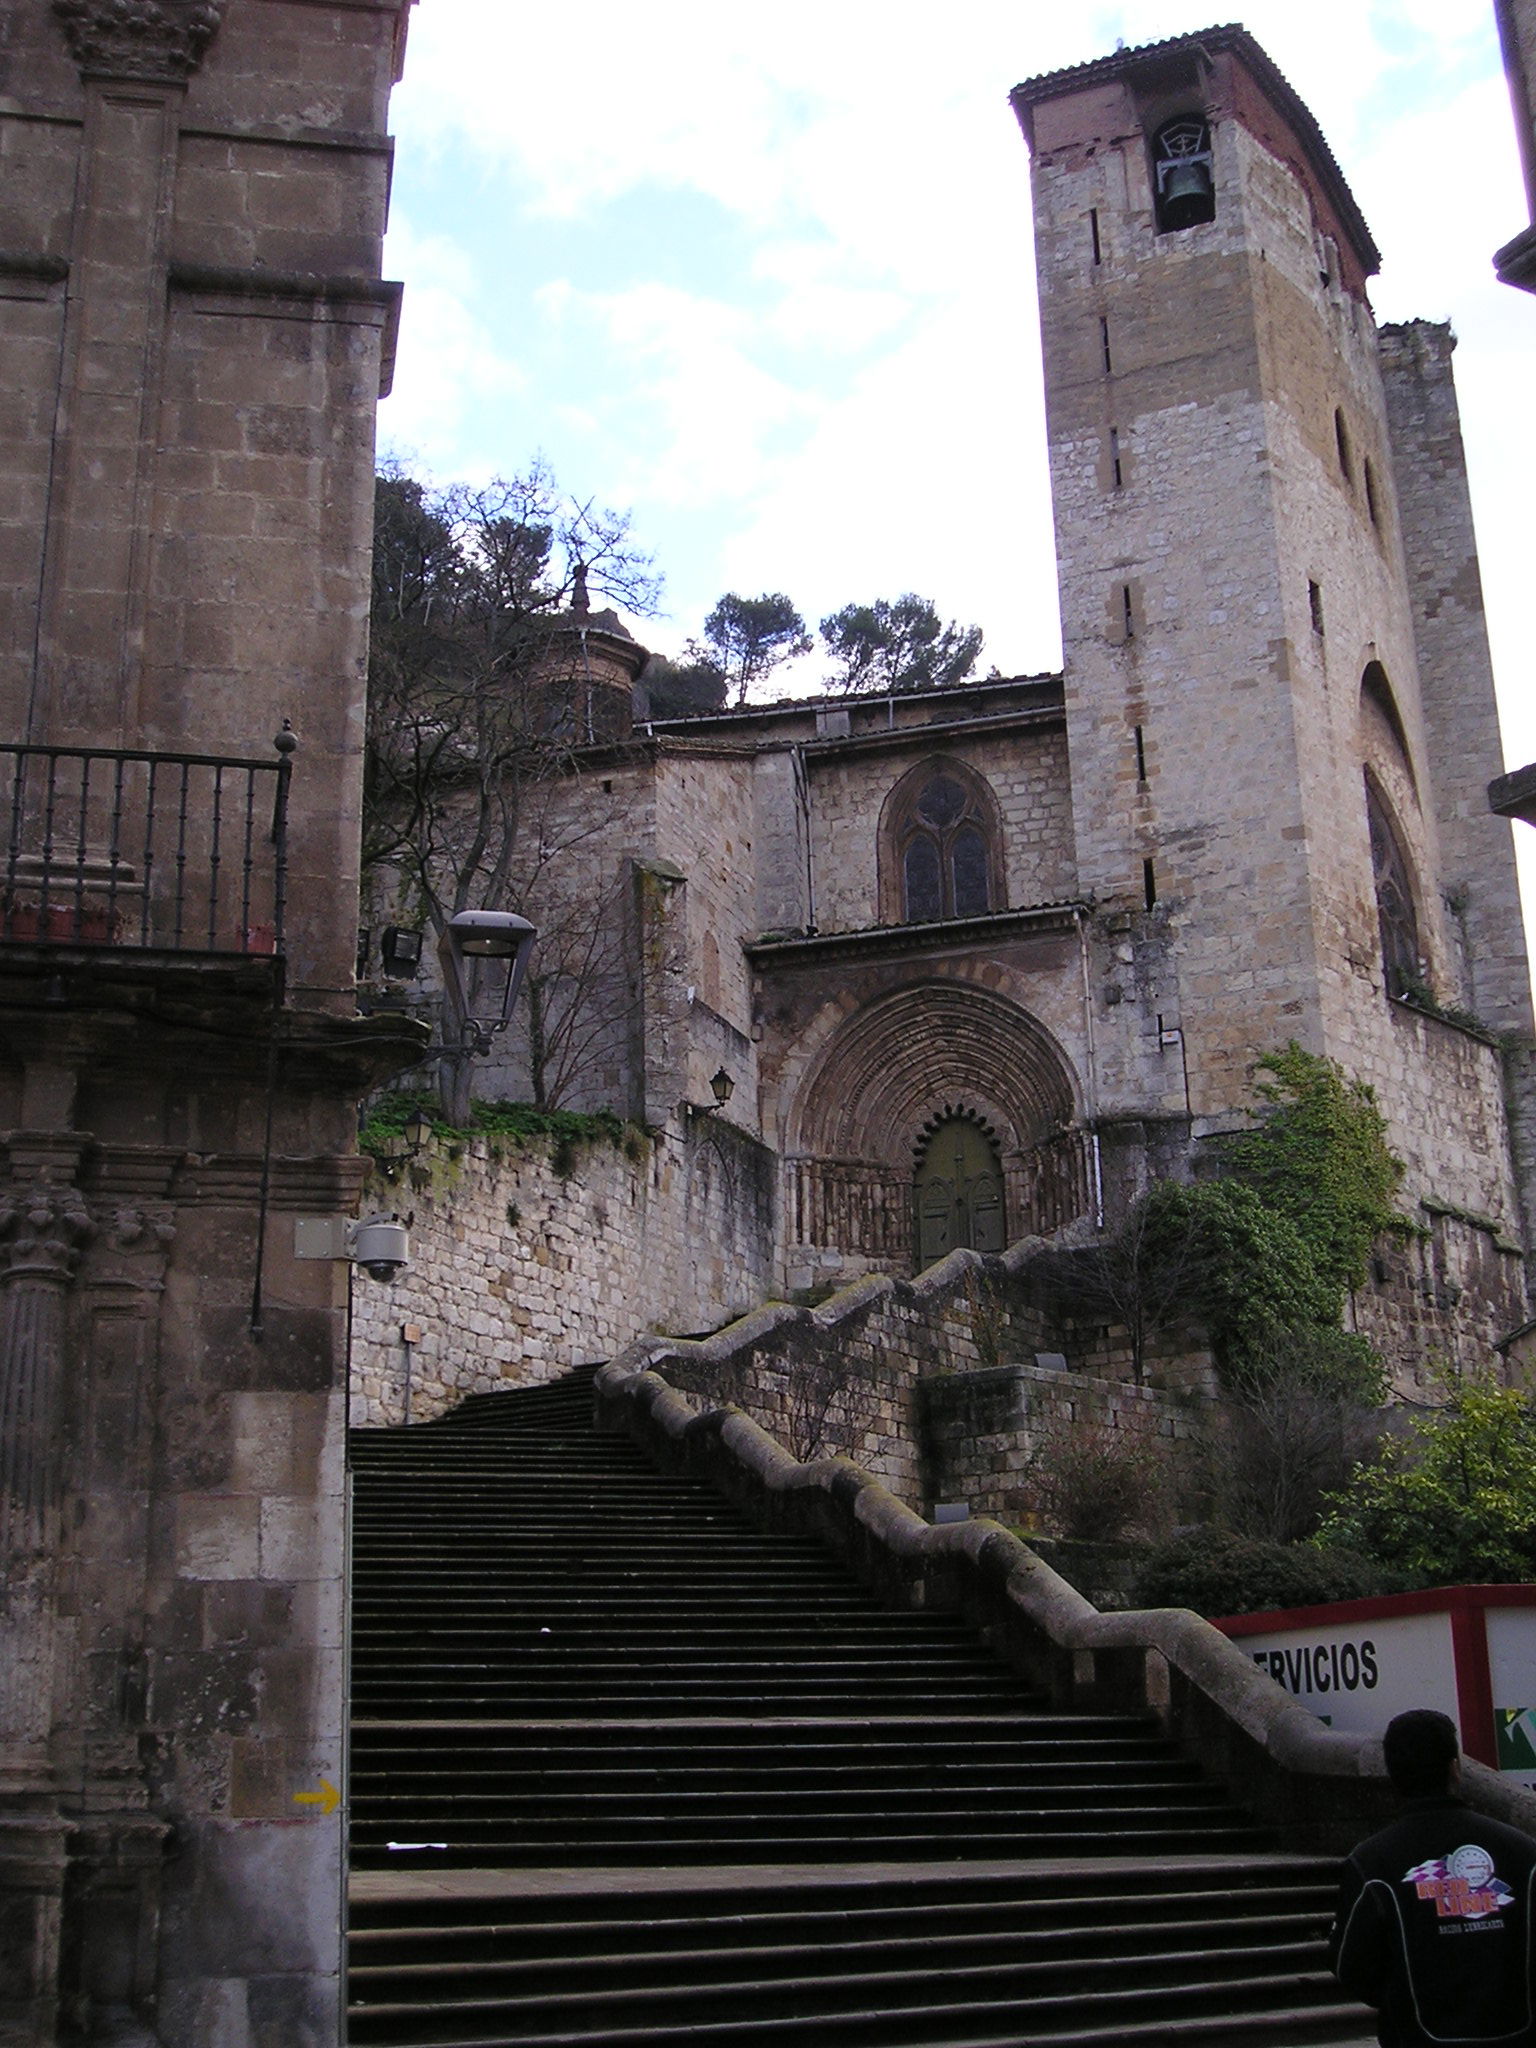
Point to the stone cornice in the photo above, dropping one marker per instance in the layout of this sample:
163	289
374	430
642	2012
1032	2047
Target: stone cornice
1515	263
998	927
26	263
149	39
309	286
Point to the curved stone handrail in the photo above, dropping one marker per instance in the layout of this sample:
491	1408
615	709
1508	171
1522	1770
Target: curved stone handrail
1207	1690
947	1276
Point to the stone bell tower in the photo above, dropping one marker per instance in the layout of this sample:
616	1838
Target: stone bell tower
1273	736
193	334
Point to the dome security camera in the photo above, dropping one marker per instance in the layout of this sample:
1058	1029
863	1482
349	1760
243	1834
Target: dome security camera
381	1246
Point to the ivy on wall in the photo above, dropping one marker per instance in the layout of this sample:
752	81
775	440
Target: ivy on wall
505	1125
1263	1257
1284	1239
1320	1158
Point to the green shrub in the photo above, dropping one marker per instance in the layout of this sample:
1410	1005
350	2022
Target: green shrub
1453	1501
1239	1266
1263	1256
1091	1483
1332	1365
1217	1573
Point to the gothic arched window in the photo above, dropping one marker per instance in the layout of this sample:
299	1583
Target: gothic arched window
1393	881
941	846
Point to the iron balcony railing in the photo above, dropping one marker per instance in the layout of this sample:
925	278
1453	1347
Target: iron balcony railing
182	853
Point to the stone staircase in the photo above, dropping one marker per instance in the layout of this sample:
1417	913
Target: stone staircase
626	1771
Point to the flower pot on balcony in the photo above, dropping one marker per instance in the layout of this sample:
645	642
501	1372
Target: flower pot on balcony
61	924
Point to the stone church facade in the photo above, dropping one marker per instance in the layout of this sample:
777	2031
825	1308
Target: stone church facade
979	963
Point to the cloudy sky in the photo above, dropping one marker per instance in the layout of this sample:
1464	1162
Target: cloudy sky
763	278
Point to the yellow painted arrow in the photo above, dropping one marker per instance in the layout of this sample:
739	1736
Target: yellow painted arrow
327	1798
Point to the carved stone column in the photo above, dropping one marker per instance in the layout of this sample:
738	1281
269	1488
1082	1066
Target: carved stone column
42	1232
110	1945
43	1228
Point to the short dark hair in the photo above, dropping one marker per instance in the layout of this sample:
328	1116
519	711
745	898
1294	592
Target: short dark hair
1420	1747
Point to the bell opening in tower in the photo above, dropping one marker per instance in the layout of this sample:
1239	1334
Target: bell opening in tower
1184	186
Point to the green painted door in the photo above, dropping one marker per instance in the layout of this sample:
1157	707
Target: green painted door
959	1192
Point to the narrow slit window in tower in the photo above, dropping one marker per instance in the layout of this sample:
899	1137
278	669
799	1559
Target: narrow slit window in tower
1149	884
1371	505
1093	228
1341	436
1315	601
1141	756
1127	613
1109	361
1115	467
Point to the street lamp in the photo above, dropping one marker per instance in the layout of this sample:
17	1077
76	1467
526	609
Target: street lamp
503	941
472	936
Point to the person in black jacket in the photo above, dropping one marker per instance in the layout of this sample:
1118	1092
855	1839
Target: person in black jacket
1434	1926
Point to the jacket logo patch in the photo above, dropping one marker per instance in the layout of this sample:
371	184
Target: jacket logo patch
1463	1885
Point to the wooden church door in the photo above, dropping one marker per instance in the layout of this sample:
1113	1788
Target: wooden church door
959	1192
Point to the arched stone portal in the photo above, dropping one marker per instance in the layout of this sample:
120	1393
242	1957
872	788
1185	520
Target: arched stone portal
897	1072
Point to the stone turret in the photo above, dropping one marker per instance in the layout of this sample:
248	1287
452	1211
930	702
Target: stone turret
589	669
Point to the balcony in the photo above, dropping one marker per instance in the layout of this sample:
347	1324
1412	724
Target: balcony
123	851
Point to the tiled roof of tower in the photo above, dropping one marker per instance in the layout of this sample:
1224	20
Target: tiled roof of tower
1233	38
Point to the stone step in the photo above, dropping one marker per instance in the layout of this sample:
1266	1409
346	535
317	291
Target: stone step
649	1815
1080	1926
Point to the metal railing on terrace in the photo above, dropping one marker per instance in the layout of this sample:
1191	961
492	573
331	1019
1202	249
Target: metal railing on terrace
867	1209
178	853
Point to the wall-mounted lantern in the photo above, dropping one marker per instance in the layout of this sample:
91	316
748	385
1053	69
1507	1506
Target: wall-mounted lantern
411	1141
722	1087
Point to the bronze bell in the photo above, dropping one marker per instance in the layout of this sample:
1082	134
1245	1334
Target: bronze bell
1186	183
1188	194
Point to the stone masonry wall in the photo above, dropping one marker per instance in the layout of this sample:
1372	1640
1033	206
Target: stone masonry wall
987	1428
519	1272
935	1385
846	1377
1455	667
193	338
